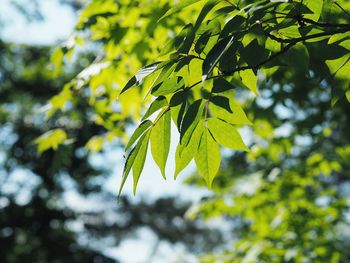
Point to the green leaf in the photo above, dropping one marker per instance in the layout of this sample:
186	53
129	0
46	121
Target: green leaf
131	159
50	140
159	103
140	159
237	116
202	42
195	71
228	62
160	141
138	132
221	85
208	157
214	56
339	67
233	25
57	60
226	134
183	4
140	75
190	120
168	86
185	153
347	94
164	74
95	144
345	44
179	105
59	101
254	53
222	102
273	45
250	80
316	7
209	5
182	41
297	58
338	37
127	167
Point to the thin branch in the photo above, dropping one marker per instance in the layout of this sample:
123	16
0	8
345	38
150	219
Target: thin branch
312	36
338	5
322	24
310	21
290	44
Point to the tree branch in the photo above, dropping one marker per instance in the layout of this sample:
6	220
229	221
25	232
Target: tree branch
312	36
338	5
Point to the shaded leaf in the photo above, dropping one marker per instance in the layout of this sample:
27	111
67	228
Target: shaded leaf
214	56
233	25
221	85
190	120
222	102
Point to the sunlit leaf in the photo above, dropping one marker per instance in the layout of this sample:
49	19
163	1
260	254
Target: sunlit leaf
159	103
140	159
95	144
208	157
226	134
250	80
51	140
236	117
160	141
178	7
138	132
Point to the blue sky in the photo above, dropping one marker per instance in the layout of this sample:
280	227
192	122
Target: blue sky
58	24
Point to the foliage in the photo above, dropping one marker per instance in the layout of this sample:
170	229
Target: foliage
34	223
199	66
196	66
38	223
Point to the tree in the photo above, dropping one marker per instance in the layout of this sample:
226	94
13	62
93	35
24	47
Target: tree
229	45
34	221
295	54
37	224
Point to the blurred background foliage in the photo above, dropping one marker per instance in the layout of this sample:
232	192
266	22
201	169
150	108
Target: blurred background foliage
287	200
37	224
37	221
